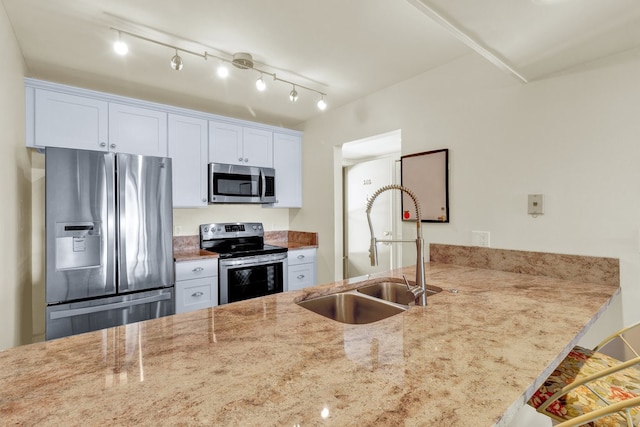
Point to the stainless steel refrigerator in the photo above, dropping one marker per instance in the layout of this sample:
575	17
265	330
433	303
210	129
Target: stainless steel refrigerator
109	254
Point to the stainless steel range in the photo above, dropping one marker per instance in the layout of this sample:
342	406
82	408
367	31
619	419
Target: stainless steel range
247	267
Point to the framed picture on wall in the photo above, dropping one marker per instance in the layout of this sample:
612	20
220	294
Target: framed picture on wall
427	176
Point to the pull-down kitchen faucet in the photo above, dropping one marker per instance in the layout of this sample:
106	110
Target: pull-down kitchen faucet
419	290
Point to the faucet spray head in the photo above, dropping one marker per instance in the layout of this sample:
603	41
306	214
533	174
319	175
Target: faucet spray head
373	252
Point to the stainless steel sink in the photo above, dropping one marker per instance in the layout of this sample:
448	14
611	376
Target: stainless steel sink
349	307
394	290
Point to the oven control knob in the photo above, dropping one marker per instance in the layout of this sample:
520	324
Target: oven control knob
259	227
206	229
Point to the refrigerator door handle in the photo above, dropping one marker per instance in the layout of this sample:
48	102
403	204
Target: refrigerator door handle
112	218
114	306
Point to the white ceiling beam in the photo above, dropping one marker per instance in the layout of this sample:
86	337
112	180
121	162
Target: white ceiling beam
465	38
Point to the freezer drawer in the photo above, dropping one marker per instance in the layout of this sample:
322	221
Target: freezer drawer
75	318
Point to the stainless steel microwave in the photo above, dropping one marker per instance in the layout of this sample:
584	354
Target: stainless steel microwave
241	184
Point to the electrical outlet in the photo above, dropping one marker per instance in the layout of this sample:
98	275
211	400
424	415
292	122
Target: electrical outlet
481	238
177	230
535	205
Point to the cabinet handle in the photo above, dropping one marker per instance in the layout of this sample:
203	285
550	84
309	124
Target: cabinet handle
240	159
204	200
103	144
246	160
300	276
300	256
197	269
197	294
113	146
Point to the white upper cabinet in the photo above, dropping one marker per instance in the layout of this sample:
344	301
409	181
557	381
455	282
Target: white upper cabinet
63	120
225	143
287	161
136	130
258	147
188	151
240	145
68	120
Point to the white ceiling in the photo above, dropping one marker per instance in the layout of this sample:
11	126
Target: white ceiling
346	49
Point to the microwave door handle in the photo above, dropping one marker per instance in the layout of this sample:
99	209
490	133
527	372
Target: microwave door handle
263	185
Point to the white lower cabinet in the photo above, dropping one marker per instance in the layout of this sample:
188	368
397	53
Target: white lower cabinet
196	284
302	268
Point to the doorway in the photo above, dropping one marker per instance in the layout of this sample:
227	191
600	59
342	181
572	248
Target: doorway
367	165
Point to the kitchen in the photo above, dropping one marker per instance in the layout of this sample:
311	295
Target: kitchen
571	137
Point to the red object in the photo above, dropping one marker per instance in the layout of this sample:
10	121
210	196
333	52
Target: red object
406	215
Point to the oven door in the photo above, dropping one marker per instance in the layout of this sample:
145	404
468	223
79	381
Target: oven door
250	277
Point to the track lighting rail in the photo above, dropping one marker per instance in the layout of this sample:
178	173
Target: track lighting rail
243	61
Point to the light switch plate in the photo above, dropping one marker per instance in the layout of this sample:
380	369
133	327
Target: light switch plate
535	205
480	238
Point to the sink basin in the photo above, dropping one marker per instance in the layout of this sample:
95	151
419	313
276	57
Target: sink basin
394	290
349	307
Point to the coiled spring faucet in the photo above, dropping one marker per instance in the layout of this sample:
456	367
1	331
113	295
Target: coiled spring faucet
419	290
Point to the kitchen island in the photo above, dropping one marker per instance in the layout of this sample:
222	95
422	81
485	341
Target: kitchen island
470	358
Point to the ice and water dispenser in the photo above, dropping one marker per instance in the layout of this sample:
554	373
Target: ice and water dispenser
77	245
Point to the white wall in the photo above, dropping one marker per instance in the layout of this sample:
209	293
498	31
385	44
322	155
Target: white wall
573	138
189	220
15	193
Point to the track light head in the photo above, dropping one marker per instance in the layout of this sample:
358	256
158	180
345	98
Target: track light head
120	46
176	62
293	95
222	71
260	84
322	105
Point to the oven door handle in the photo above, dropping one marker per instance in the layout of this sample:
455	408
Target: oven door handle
247	262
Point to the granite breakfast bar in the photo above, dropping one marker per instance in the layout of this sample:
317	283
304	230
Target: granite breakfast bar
471	357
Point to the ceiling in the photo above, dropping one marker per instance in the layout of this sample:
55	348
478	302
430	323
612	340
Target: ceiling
346	49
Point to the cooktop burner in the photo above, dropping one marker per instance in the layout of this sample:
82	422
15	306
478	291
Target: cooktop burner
236	239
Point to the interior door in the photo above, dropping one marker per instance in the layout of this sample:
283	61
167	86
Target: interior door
362	180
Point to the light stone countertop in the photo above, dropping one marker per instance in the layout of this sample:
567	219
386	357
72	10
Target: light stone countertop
470	358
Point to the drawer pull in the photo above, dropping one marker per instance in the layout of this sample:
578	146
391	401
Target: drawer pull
300	276
197	269
301	256
197	294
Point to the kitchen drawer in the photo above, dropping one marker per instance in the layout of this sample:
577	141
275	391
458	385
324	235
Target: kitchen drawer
301	256
196	294
301	276
186	270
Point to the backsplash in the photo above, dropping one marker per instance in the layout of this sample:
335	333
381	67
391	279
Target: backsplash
577	268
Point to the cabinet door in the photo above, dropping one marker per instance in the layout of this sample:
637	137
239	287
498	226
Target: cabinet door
196	294
225	143
257	147
301	276
188	152
136	130
70	121
301	268
287	160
